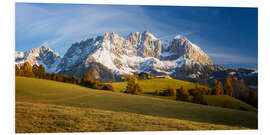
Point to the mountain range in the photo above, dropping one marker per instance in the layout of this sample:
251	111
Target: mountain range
42	55
111	56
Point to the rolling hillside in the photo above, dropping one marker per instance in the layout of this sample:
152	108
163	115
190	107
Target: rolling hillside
36	117
149	86
235	103
153	84
38	99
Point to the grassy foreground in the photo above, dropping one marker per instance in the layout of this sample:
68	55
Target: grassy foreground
34	96
36	117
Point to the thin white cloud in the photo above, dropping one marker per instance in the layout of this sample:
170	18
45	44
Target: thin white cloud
77	21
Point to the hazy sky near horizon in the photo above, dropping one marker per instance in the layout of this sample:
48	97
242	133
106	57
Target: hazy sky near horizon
228	35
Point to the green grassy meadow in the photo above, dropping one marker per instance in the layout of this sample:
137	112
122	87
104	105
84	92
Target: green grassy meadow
153	84
49	106
149	86
236	103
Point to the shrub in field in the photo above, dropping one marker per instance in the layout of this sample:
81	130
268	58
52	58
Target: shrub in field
108	87
133	86
157	92
182	94
169	92
137	89
198	97
93	84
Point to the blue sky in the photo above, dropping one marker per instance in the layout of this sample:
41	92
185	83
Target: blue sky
228	35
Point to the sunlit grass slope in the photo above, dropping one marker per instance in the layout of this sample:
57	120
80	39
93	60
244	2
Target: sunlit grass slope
214	100
38	91
153	84
36	117
236	104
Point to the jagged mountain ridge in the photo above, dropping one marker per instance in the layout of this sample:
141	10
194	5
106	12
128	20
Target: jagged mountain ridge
110	56
139	52
42	55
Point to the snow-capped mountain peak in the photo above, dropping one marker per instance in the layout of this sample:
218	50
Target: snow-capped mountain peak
146	33
41	55
179	37
138	52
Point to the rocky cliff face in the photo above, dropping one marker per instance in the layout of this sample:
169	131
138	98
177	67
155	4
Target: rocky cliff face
42	55
139	52
181	46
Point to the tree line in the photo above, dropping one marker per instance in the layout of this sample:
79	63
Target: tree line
38	71
133	87
196	94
